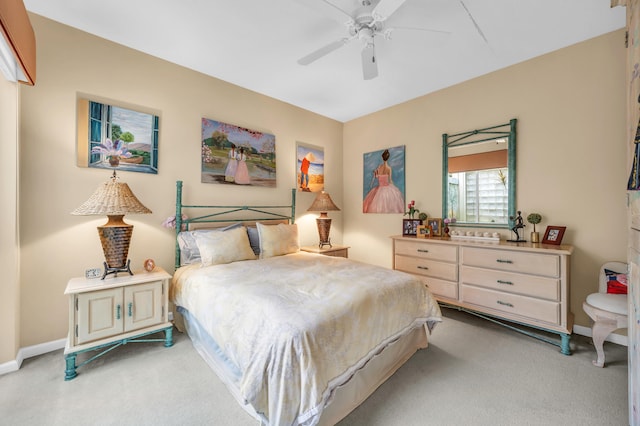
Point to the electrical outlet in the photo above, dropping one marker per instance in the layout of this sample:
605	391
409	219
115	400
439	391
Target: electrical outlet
170	316
93	273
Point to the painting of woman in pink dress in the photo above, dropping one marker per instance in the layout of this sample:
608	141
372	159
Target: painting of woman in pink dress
242	172
384	181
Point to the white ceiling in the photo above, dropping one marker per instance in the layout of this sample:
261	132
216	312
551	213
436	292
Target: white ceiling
256	43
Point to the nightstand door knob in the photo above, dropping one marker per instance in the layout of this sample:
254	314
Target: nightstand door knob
118	312
130	309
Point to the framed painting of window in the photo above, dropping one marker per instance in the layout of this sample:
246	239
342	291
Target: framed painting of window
234	155
309	168
112	136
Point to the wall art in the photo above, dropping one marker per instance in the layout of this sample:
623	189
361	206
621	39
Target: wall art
233	155
384	181
309	168
112	136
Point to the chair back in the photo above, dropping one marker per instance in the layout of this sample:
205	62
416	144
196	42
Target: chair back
619	267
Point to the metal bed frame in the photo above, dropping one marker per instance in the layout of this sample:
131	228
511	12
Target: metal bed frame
220	214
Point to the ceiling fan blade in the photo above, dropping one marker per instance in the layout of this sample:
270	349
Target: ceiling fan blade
325	50
330	10
369	64
389	30
474	22
385	9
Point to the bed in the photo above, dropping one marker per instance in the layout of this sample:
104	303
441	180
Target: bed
298	338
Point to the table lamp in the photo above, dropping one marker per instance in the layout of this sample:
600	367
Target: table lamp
323	203
114	199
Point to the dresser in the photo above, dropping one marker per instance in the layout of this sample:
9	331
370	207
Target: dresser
522	283
115	311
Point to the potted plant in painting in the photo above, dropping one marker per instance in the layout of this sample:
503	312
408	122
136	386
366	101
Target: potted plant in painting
113	151
534	219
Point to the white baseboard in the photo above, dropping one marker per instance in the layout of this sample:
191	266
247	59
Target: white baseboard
31	351
9	367
618	339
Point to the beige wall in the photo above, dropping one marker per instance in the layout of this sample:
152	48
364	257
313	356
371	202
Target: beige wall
9	243
571	153
571	160
56	245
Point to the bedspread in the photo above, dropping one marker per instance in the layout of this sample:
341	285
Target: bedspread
298	326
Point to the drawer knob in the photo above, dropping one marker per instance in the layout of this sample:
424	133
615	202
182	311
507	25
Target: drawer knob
423	267
505	282
500	302
118	312
423	251
503	261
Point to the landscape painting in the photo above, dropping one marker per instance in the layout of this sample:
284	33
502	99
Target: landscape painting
233	155
309	168
114	137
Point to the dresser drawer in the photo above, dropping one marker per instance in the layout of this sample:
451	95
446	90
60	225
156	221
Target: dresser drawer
537	309
442	288
528	285
506	260
426	250
427	267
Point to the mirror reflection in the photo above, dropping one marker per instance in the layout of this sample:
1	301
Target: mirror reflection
479	176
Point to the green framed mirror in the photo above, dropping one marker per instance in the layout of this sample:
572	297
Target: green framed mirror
479	176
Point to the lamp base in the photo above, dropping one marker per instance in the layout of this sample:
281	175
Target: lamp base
115	236
108	270
325	243
324	227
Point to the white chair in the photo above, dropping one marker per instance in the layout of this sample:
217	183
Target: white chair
608	311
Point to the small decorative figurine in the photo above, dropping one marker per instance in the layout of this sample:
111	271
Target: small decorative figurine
149	265
519	224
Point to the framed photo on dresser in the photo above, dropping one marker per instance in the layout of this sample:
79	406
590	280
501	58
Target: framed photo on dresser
410	226
424	231
553	235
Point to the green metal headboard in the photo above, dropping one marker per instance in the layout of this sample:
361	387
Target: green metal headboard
220	214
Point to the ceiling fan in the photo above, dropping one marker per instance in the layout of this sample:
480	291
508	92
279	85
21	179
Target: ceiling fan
365	23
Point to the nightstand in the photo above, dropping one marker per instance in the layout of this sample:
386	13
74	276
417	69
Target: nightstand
104	314
336	250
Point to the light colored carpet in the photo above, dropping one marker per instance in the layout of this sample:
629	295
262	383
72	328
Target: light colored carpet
473	373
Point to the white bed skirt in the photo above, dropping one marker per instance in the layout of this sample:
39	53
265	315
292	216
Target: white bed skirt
345	398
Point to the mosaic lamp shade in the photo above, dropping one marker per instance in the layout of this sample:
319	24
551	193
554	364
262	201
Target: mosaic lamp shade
113	199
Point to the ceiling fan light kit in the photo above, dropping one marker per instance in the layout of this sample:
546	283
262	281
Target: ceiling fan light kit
364	23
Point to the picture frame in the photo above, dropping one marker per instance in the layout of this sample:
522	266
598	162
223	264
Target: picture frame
423	231
553	235
410	227
309	159
234	155
116	135
384	168
436	226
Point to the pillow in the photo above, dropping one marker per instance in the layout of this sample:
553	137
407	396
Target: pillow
224	247
276	240
616	282
189	252
254	239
